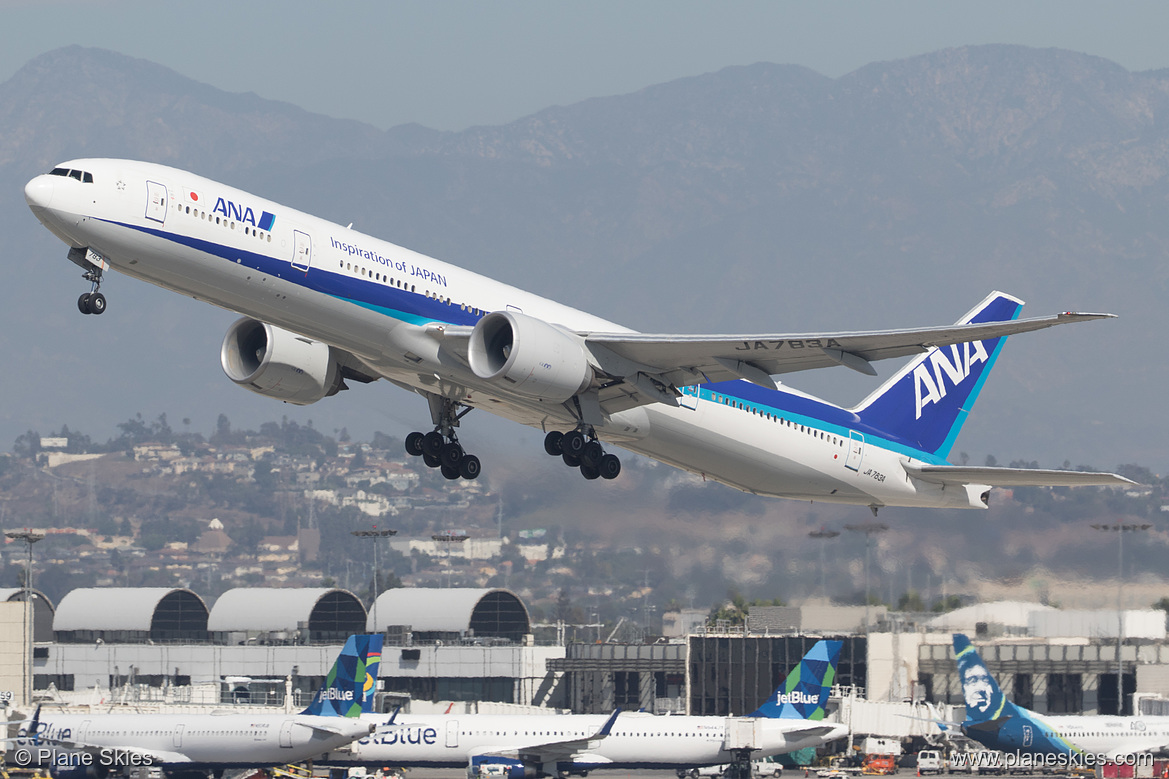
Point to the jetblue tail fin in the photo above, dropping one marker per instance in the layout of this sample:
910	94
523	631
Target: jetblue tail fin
351	683
804	693
925	403
985	702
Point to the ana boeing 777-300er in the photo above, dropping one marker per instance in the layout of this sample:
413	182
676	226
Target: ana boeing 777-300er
527	745
324	304
1033	740
191	746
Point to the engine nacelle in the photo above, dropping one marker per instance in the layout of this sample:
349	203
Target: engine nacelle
279	364
77	765
531	357
491	767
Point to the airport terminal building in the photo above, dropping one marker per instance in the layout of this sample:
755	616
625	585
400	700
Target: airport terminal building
475	647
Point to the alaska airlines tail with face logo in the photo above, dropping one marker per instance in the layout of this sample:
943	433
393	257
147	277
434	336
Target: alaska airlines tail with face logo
985	701
351	683
804	693
924	404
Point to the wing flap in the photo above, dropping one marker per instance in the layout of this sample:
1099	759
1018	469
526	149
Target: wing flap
1013	477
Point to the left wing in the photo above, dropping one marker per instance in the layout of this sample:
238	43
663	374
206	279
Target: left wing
1013	477
555	751
693	359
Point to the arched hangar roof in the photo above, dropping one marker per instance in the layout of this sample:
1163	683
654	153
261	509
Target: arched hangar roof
159	611
487	612
17	593
265	609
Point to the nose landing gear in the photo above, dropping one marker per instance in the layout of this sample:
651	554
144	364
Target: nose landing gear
92	302
580	449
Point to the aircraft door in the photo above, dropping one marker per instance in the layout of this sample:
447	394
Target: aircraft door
155	201
83	730
452	733
302	250
178	742
689	397
856	451
286	733
1028	735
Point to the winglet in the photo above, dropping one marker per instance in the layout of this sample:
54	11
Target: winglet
608	726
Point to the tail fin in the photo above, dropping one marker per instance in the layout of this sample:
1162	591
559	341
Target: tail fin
804	693
351	683
925	403
985	702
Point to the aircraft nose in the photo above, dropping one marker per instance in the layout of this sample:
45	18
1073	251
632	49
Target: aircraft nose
38	193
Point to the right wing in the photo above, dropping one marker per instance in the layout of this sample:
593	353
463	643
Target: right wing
555	751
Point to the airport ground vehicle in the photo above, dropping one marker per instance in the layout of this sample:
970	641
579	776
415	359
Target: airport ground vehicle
762	768
931	761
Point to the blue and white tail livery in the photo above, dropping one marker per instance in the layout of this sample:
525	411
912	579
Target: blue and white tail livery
324	305
925	403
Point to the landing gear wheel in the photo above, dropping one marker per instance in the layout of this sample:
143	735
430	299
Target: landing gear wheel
449	472
589	472
570	460
432	443
430	460
573	443
96	303
552	443
450	455
469	467
414	444
610	466
592	454
83	303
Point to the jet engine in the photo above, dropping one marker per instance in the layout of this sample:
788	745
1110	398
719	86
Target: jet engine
532	358
279	364
77	765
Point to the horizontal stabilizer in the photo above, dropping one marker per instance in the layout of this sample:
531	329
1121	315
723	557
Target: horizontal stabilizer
1013	477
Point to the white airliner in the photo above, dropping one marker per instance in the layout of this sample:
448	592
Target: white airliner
91	746
1031	740
324	304
551	745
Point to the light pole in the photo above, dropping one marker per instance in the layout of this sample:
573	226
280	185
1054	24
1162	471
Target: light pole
375	534
824	535
1120	528
29	537
870	529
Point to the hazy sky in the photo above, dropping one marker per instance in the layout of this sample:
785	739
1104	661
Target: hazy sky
450	65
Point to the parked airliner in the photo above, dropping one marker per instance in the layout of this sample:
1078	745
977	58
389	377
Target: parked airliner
1043	740
324	305
91	746
559	744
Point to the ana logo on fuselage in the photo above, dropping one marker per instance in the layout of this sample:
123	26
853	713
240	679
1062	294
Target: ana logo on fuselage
229	209
931	388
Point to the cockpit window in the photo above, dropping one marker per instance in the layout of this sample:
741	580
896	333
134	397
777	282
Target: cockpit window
84	177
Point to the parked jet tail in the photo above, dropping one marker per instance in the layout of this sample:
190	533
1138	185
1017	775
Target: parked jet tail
985	702
804	693
351	683
925	403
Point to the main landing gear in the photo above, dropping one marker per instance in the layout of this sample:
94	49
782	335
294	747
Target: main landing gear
581	449
92	302
440	448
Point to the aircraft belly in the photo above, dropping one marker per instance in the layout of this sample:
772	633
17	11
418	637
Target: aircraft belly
744	453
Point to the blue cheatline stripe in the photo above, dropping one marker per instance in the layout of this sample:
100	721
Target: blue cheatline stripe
811	412
401	304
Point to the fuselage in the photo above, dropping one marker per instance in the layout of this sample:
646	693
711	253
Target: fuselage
386	305
197	741
637	740
1075	736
